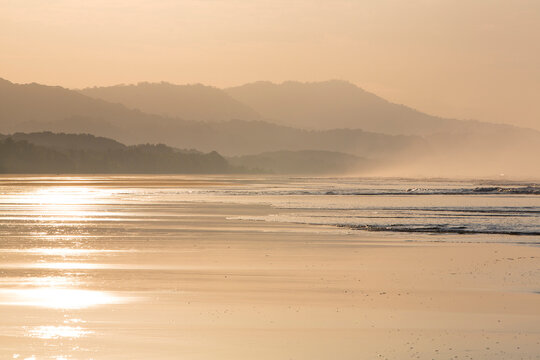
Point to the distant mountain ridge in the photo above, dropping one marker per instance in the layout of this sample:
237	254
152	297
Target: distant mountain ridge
320	105
468	147
190	102
37	108
341	104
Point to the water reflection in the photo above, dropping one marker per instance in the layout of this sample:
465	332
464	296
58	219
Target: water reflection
49	264
66	266
57	332
57	298
33	357
58	204
65	195
58	251
55	204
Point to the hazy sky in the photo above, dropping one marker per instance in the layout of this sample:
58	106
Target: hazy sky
459	58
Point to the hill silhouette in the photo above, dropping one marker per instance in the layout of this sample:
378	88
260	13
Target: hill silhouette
190	102
62	141
59	153
35	107
467	148
48	152
340	104
38	108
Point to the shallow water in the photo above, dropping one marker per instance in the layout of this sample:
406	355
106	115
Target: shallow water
123	267
406	206
383	205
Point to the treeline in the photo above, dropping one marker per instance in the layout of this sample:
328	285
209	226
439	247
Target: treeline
21	156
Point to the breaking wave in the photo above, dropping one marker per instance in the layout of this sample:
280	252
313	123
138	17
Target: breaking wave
439	229
481	190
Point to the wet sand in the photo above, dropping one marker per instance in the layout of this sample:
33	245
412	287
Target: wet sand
201	285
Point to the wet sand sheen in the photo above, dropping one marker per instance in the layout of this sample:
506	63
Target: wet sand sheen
209	286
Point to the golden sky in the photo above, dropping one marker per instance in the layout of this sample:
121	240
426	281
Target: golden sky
473	59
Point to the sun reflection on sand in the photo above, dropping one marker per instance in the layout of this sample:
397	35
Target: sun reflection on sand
47	281
56	332
51	275
58	203
60	251
67	195
57	298
63	252
33	357
66	266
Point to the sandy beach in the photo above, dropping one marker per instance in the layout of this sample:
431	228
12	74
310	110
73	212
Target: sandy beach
204	285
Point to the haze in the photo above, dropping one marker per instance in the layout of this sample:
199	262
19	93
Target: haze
460	59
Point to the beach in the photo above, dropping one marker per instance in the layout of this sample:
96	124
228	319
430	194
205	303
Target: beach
92	269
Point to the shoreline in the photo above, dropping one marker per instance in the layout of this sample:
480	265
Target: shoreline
201	286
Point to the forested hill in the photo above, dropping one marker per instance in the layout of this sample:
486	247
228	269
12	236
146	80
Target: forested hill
48	152
19	156
65	141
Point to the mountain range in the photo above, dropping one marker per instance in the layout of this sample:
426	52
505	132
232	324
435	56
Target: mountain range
189	102
314	106
34	107
262	117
